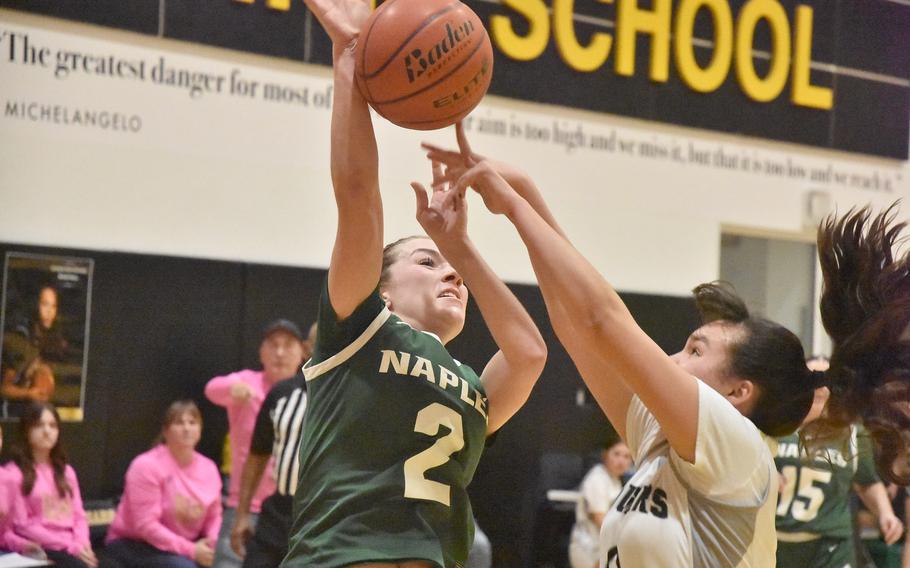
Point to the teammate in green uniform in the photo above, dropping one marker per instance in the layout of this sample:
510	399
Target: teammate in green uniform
395	426
814	525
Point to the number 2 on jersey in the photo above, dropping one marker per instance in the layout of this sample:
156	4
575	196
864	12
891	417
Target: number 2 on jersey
429	420
809	497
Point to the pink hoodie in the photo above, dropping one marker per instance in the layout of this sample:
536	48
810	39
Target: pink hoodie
9	540
242	421
168	506
46	518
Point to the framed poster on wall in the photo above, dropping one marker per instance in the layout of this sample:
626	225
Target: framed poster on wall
45	322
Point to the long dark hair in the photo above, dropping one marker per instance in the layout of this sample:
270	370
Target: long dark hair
23	457
50	341
865	308
768	354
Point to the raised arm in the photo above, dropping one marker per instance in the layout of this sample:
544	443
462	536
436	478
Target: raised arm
458	162
512	372
357	256
614	356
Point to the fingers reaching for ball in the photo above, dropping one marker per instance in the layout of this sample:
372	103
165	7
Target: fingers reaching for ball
464	147
498	196
341	19
442	213
462	158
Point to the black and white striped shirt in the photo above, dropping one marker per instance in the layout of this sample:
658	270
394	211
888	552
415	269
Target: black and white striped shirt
278	428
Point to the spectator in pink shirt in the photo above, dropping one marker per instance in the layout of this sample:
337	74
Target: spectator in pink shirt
242	393
10	541
47	505
170	512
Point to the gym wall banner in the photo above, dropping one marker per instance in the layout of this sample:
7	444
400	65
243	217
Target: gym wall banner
827	73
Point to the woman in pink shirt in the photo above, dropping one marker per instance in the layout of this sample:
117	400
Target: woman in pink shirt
10	541
170	513
47	506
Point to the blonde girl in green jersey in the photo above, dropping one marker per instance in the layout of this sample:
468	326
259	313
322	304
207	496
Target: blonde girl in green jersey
395	426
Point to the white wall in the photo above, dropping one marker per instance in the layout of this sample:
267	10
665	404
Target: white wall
227	177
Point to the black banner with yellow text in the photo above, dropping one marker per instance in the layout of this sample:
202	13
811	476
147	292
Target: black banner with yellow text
827	73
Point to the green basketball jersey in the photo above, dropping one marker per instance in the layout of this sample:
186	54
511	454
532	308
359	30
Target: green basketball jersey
815	494
393	432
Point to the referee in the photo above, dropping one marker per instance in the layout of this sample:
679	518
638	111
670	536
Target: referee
277	434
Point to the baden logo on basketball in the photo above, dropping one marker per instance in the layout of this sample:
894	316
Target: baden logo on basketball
435	57
423	64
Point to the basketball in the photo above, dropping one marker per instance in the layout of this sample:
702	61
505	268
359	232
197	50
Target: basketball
424	64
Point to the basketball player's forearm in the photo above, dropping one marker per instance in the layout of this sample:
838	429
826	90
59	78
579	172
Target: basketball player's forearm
613	396
511	373
586	301
249	480
357	254
615	357
525	187
875	498
512	328
354	155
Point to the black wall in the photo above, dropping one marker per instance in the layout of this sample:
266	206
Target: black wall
162	326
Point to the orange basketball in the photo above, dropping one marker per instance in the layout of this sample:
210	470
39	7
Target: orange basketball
424	64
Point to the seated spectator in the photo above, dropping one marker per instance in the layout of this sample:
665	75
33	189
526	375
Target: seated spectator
47	505
10	541
599	488
170	513
6	494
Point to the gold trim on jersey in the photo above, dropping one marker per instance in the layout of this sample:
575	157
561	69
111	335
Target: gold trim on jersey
797	536
318	369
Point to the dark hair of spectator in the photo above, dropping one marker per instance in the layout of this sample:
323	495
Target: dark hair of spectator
23	457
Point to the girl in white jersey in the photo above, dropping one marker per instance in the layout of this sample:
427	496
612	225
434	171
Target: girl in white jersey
705	488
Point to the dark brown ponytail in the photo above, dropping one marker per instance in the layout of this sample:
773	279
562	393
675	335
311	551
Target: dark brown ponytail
865	308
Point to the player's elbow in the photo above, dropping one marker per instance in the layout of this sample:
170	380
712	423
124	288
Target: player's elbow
535	357
528	361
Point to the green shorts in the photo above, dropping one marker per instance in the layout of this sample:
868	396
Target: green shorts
819	553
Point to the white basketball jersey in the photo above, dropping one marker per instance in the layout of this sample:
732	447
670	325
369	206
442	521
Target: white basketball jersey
715	513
